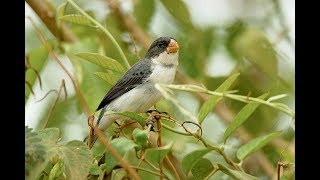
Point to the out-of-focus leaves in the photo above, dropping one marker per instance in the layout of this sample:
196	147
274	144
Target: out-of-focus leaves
95	169
199	46
156	155
213	100
242	116
255	144
236	174
252	45
143	12
190	159
140	137
102	61
110	78
57	170
179	11
202	168
77	19
77	158
122	145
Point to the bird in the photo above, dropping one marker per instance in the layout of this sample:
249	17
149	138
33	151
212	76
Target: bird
135	91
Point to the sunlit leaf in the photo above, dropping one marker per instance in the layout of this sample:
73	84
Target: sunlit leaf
255	144
213	100
155	155
108	77
277	97
190	159
60	13
57	170
202	168
240	175
103	61
242	116
77	19
142	14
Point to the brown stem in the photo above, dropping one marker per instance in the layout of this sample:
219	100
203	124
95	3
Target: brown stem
54	57
47	14
114	153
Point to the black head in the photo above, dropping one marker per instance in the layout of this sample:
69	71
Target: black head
162	44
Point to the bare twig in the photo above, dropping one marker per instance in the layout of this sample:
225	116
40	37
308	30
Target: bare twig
54	57
114	153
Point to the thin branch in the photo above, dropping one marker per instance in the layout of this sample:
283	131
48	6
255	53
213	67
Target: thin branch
54	57
109	35
151	172
114	153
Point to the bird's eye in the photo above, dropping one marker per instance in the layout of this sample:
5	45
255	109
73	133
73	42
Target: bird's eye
161	45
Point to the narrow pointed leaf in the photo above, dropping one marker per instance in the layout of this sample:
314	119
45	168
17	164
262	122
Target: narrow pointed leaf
108	77
240	175
280	96
209	105
103	61
190	159
255	144
60	13
77	19
179	11
242	116
142	14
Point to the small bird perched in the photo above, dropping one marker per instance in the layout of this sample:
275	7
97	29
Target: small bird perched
135	91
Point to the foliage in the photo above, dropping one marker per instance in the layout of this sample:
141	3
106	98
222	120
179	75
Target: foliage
188	142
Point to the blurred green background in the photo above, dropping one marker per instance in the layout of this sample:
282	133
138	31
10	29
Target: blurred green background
217	38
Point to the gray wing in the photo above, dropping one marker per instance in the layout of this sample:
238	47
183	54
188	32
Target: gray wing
132	78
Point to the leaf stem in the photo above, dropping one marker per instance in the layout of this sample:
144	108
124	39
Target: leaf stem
99	26
246	99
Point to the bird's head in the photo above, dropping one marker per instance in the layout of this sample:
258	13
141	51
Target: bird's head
164	50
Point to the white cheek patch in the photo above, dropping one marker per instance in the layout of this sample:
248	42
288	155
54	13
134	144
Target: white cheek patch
166	59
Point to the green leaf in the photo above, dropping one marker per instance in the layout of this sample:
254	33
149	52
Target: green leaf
40	148
242	116
141	137
277	97
131	115
253	46
60	12
103	61
236	174
95	169
202	168
57	170
156	155
77	158
110	78
77	19
142	14
213	100
179	11
49	134
122	145
255	144
190	159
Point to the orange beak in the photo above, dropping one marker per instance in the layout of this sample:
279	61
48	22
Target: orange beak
173	46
